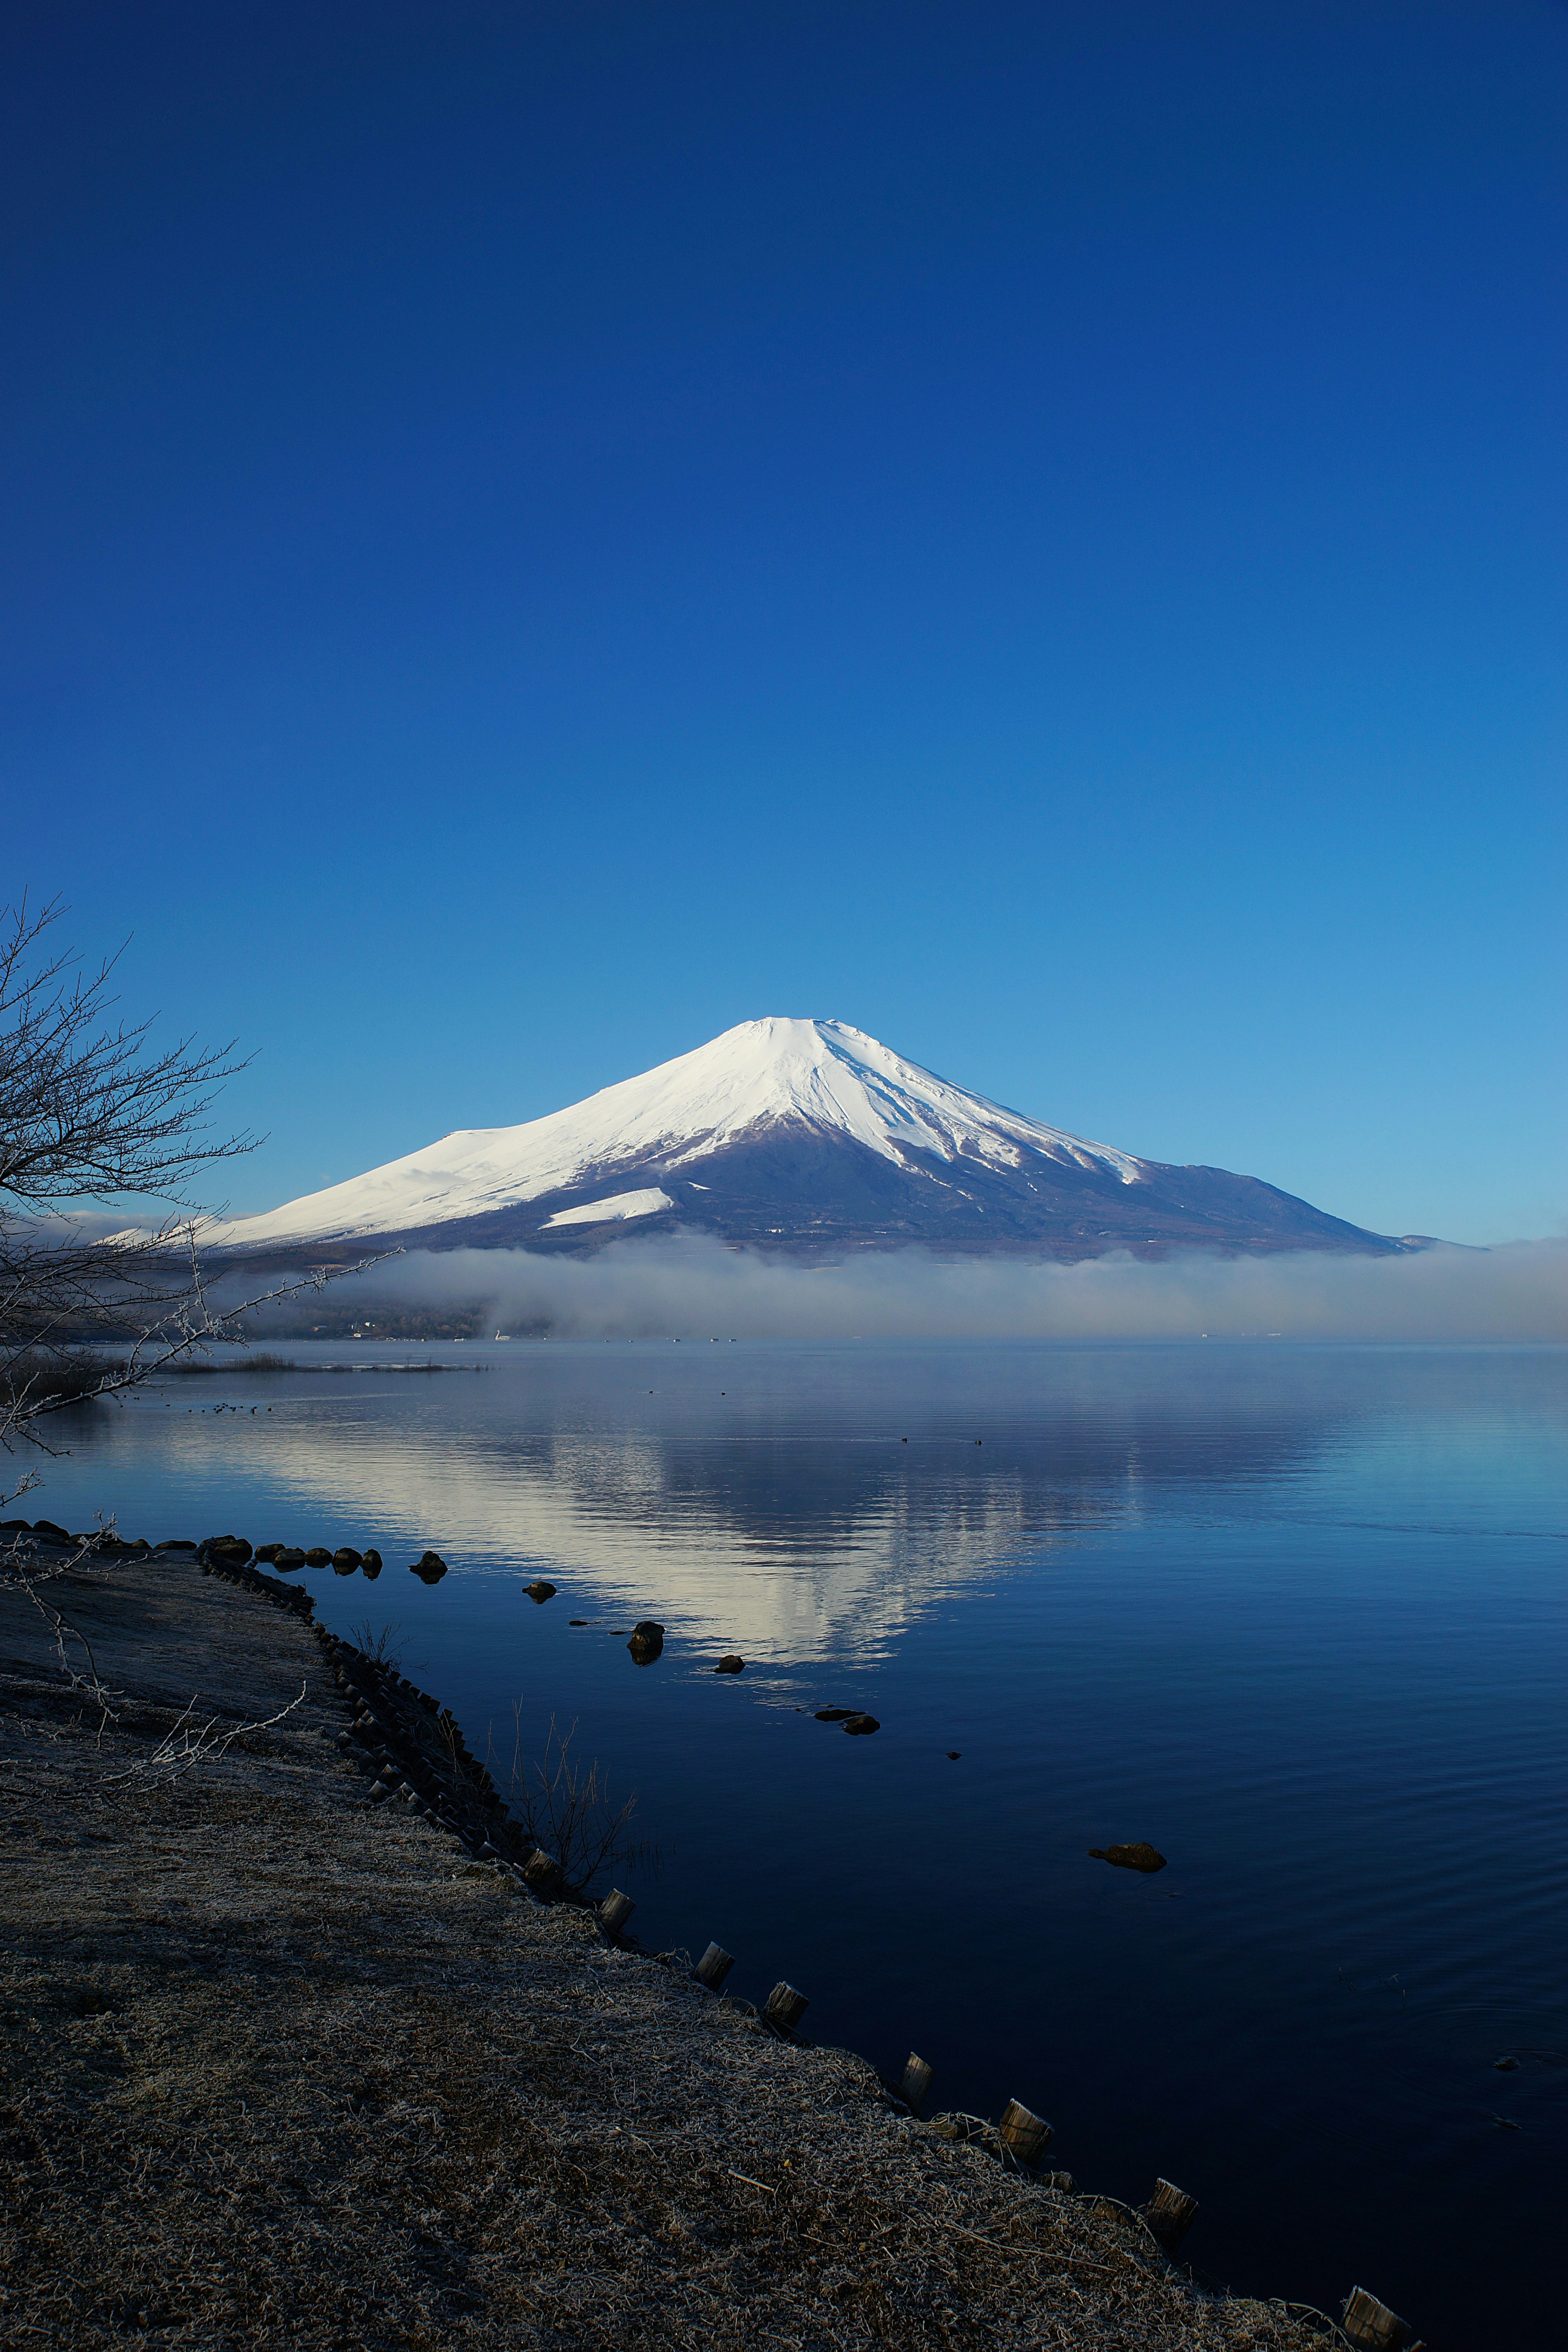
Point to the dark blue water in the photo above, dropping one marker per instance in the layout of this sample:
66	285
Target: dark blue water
1296	1616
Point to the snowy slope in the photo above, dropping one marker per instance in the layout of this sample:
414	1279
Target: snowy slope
804	1136
820	1078
616	1211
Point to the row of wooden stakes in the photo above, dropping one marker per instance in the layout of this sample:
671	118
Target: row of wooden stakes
1025	2136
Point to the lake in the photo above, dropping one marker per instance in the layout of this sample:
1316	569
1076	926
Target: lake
1295	1616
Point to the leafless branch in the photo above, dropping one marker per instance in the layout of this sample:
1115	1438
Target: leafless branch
21	1571
187	1744
179	1317
91	1110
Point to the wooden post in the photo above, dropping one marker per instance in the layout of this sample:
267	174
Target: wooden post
1023	2132
1170	2213
713	1966
615	1910
1371	2324
914	2083
785	2006
541	1870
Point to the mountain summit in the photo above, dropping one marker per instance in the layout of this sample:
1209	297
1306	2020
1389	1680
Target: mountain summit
804	1136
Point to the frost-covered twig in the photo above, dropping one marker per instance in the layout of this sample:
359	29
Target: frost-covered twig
186	1745
20	1572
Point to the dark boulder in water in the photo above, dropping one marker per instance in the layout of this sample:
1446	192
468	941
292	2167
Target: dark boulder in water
318	1556
345	1559
287	1559
430	1569
731	1665
370	1564
834	1714
857	1725
540	1590
647	1640
1139	1856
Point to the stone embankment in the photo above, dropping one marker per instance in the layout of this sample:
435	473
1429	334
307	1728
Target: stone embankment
294	2055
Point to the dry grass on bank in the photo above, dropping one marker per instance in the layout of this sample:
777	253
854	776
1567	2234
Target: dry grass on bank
279	2071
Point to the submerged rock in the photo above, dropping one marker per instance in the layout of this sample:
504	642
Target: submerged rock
834	1714
540	1590
318	1556
370	1564
430	1569
857	1725
287	1559
1139	1856
345	1559
1505	2065
647	1640
731	1665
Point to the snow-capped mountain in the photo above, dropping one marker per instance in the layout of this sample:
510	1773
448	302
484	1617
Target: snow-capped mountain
796	1135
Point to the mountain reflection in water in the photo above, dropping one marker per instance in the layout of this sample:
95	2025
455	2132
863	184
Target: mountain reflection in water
813	1520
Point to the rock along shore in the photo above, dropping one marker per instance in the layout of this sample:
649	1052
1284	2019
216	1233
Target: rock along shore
281	2062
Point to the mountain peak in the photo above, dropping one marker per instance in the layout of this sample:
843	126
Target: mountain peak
834	1079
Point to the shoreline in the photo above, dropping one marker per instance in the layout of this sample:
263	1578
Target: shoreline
290	2059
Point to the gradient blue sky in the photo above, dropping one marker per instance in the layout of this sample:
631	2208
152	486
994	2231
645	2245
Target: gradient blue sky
532	534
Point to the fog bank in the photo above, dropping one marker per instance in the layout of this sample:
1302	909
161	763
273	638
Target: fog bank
691	1286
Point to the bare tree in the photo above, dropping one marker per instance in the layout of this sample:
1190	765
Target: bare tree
91	1110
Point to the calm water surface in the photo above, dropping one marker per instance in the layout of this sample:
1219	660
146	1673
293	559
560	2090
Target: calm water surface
1295	1616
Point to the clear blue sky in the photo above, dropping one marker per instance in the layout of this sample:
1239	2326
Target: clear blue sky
532	534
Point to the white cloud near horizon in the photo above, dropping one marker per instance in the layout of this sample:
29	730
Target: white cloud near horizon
692	1286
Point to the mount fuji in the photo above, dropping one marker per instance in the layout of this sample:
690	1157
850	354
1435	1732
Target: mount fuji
807	1137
